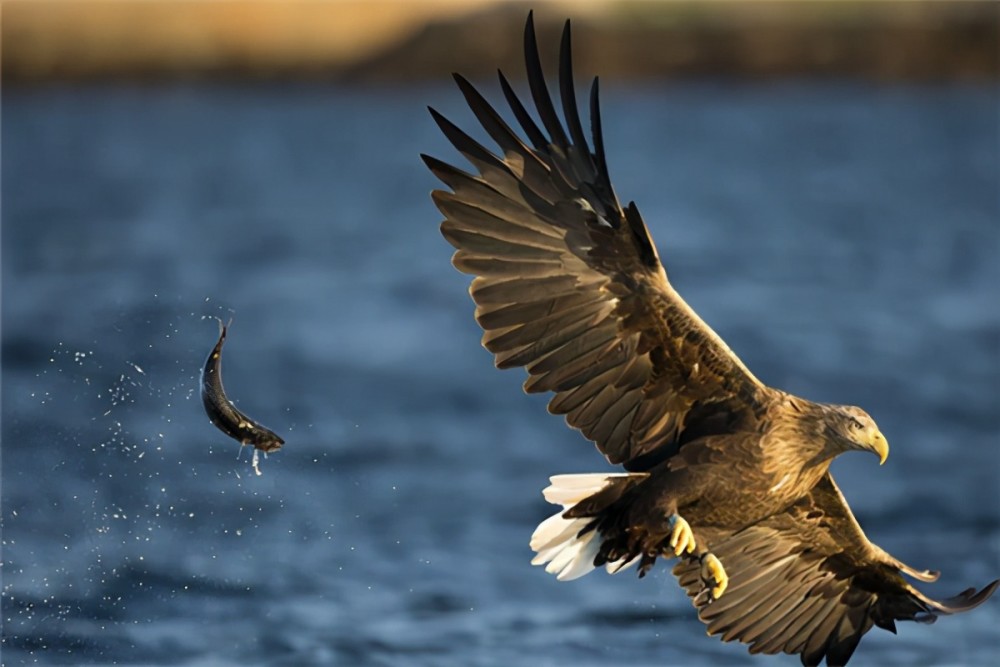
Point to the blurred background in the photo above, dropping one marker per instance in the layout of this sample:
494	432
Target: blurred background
821	180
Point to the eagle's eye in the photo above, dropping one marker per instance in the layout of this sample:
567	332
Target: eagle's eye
856	425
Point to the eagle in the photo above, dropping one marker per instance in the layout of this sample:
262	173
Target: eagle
725	473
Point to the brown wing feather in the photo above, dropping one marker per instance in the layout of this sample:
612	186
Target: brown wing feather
568	283
809	582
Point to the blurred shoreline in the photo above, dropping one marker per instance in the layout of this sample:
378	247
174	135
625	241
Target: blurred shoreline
399	41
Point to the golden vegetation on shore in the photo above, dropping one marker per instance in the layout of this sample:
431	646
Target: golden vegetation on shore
394	41
74	39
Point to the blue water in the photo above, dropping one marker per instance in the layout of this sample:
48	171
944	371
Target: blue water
844	239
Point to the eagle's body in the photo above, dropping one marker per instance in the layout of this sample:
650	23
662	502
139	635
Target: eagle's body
776	459
725	472
718	474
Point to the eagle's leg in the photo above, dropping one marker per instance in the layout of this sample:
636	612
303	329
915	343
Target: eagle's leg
714	574
681	535
683	543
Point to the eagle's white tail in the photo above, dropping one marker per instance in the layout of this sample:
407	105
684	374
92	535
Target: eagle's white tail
559	542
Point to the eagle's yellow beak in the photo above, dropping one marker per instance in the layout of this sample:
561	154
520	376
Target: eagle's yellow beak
880	446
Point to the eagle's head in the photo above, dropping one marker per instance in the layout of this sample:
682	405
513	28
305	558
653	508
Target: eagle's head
854	429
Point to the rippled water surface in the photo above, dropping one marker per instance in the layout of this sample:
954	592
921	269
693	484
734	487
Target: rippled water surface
843	239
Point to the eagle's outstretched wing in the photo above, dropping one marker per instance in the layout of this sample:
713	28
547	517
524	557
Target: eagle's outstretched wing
809	582
569	285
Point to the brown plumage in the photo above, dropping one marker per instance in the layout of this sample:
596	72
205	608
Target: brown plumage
569	286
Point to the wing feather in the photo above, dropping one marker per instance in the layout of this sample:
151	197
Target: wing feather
568	96
778	614
476	193
576	399
605	355
557	348
774	636
482	244
524	119
529	333
539	91
809	582
480	265
518	156
595	127
606	410
590	341
500	316
820	632
486	291
567	282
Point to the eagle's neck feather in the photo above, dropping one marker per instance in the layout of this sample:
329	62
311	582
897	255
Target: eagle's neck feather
806	434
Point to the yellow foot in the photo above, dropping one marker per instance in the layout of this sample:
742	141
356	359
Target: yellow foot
681	538
712	570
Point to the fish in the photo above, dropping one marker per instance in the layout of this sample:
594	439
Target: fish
226	416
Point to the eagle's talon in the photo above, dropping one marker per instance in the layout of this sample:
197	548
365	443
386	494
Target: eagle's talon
713	571
681	535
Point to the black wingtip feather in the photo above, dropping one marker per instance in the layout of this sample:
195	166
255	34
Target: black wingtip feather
598	134
535	135
465	144
430	160
450	175
848	635
452	132
434	164
539	92
491	121
970	599
438	117
641	236
568	91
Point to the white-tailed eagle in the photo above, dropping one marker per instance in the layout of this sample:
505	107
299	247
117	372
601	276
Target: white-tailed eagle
723	471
